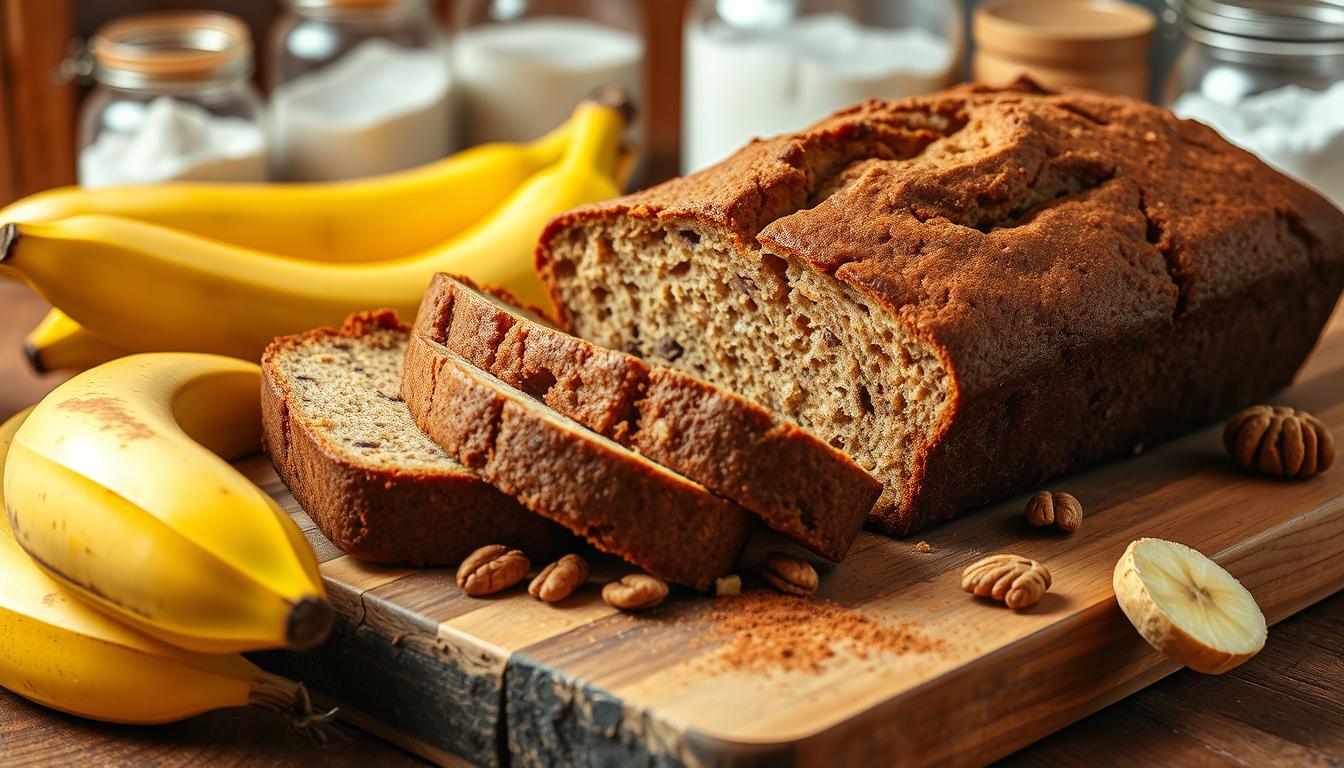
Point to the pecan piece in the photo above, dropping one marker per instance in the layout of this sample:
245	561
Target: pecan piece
1056	508
559	579
1278	440
490	569
789	575
635	592
1015	580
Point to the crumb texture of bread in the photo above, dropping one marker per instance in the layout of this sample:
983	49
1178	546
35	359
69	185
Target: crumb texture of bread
341	438
796	483
621	502
968	292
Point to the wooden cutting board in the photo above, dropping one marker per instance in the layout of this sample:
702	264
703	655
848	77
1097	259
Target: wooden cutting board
457	678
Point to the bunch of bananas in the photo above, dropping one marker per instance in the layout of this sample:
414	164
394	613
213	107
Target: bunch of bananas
225	268
135	558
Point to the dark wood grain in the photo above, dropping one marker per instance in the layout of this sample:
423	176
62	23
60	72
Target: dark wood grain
33	736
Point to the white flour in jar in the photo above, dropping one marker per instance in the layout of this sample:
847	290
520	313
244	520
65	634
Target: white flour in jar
1297	130
740	84
175	140
522	78
379	108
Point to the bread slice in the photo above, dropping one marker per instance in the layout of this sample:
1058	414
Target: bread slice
620	501
343	441
797	484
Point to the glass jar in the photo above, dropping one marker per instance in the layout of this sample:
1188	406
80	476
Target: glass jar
760	67
172	100
1101	45
358	87
523	65
1269	77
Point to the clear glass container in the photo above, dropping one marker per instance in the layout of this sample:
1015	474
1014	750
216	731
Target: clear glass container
172	100
358	88
523	65
760	67
1269	77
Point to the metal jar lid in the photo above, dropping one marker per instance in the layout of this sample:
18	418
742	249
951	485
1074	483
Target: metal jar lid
171	47
1296	27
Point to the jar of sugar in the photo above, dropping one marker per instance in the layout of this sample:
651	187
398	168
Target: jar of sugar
523	65
1269	77
358	87
760	67
172	100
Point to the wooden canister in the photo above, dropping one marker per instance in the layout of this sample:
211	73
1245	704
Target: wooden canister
1097	44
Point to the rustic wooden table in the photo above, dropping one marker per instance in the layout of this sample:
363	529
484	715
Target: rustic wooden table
1286	706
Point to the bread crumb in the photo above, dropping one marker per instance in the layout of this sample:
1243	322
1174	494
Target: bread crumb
923	546
762	630
728	585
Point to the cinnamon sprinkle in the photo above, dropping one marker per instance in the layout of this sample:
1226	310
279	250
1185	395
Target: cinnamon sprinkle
762	630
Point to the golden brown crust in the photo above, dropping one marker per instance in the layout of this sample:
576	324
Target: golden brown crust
385	514
1092	272
794	482
622	503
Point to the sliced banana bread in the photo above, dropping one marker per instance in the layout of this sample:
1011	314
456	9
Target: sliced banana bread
621	502
969	291
797	484
343	441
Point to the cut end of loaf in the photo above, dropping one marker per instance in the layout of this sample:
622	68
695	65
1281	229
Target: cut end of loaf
799	343
349	386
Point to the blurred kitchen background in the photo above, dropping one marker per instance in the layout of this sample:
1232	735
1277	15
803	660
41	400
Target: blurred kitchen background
322	89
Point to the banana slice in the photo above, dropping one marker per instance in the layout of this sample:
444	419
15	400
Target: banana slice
1188	607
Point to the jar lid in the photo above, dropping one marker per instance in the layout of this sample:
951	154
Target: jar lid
1077	33
1268	21
171	46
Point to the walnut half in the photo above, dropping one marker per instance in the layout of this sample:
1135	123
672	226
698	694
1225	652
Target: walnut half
1056	508
492	568
1278	440
1015	580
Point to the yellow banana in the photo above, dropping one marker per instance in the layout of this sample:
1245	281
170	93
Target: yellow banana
151	288
60	344
62	654
370	219
116	487
365	220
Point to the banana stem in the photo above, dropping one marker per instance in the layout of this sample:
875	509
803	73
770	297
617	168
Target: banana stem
596	138
9	234
310	621
291	702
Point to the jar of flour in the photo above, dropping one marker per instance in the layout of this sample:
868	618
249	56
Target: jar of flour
1269	77
173	100
522	65
761	67
358	87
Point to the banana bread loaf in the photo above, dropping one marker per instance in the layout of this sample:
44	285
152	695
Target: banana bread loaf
793	481
343	441
967	292
621	502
